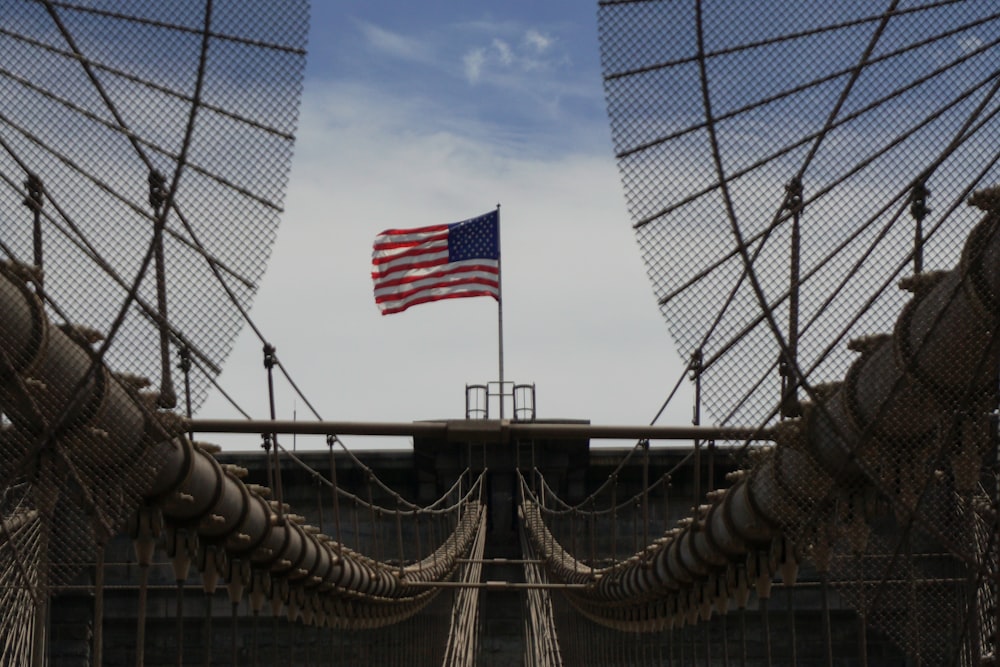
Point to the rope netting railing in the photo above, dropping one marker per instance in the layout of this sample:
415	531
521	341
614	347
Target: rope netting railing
21	581
465	628
542	645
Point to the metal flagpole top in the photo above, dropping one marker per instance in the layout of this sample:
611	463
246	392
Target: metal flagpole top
500	310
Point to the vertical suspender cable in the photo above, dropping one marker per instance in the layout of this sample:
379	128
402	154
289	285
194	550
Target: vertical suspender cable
788	365
269	361
34	200
399	534
792	638
696	369
645	492
372	515
614	517
157	198
827	631
185	367
99	607
335	493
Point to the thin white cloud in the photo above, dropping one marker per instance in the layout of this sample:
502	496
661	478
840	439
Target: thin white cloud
537	41
514	63
473	62
504	51
393	43
521	61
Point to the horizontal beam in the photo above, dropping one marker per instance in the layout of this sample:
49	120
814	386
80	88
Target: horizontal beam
479	430
501	561
499	585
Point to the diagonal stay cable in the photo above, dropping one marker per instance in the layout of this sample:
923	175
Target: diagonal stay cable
680	380
814	149
827	78
677	385
887	282
155	250
172	205
136	139
965	133
107	189
77	238
201	32
260	336
864	61
891	278
716	264
813	136
866	438
147	83
778	39
724	181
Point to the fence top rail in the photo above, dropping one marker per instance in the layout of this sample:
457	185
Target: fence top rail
481	430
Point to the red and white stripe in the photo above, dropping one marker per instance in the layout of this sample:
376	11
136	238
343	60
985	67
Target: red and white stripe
410	267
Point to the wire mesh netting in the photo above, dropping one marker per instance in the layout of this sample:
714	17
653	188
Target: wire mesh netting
842	122
144	152
133	113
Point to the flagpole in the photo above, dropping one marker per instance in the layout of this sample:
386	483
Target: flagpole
500	311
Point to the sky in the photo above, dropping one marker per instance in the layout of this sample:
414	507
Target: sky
418	114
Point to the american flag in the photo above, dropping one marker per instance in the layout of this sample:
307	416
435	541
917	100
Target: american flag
413	266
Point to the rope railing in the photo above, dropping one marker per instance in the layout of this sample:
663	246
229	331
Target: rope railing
465	628
541	637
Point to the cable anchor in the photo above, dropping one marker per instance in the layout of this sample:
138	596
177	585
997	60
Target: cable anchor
794	202
157	190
